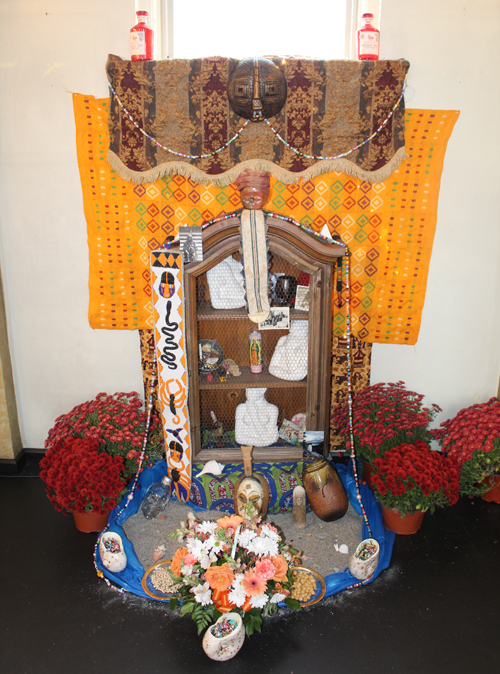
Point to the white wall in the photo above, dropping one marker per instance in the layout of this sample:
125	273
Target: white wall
49	47
454	56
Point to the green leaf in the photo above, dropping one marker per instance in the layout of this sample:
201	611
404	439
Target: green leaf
292	603
187	607
174	603
252	621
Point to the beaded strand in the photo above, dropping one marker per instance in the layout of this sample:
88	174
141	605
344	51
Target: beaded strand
278	136
130	495
343	154
163	147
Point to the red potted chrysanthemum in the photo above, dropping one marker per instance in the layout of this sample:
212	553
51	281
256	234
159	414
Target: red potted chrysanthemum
83	481
410	479
118	423
472	437
384	416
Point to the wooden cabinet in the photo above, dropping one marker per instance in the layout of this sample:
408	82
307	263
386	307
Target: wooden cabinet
292	250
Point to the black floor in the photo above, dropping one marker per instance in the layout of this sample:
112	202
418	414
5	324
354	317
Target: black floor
433	611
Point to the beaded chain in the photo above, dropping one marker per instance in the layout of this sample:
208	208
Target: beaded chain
163	147
130	495
343	154
237	134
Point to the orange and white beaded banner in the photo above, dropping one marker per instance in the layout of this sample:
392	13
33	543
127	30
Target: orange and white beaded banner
168	317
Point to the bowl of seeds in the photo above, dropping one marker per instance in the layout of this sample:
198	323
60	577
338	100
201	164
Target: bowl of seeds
309	586
158	583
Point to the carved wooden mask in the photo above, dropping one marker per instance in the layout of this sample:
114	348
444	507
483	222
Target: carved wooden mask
257	89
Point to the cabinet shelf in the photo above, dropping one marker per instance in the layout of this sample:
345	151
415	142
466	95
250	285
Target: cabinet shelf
248	379
205	312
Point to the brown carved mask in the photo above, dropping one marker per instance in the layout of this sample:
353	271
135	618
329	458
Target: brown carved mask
256	89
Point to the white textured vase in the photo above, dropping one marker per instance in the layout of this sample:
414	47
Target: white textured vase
256	420
114	561
290	356
224	648
364	568
226	284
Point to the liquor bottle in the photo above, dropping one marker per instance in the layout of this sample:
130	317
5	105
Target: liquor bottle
142	39
255	352
157	497
368	39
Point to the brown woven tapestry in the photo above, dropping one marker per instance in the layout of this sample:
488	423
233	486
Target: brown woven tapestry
361	353
331	107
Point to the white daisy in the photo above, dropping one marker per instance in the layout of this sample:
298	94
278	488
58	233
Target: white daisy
245	537
263	546
206	527
267	531
237	596
259	600
213	544
202	594
196	547
277	597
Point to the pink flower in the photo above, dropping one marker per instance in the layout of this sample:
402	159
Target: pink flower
252	584
265	569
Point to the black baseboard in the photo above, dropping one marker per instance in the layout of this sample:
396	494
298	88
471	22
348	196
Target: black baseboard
25	463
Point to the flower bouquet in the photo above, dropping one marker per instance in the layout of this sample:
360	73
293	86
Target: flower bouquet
384	416
411	477
472	438
232	564
118	423
79	478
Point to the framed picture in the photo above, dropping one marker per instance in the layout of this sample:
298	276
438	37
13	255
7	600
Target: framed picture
302	298
278	319
191	244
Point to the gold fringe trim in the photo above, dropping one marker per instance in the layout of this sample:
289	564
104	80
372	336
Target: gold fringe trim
288	177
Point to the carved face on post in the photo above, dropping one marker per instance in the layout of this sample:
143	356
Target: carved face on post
254	188
249	491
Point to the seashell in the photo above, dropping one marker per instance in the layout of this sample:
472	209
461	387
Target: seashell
232	366
212	468
363	563
224	647
158	553
341	548
112	552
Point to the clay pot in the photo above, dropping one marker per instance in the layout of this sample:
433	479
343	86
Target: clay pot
112	553
325	491
493	494
90	522
364	568
224	647
402	524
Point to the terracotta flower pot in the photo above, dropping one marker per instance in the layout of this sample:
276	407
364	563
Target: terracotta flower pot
493	494
367	472
90	522
402	524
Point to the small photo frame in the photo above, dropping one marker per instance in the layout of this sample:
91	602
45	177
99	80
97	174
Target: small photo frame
191	244
278	319
290	433
302	298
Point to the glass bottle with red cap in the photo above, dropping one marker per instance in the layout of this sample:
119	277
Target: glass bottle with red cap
142	39
368	39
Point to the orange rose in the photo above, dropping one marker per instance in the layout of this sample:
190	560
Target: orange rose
232	521
219	577
281	567
175	565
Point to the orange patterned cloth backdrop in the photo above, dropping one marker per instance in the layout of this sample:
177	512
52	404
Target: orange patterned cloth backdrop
388	226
